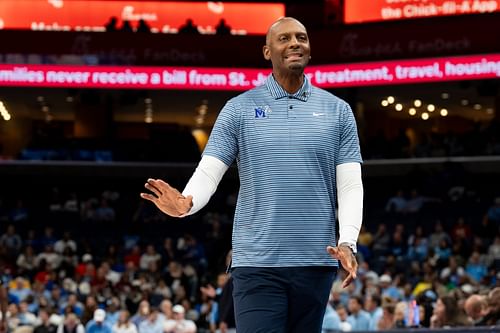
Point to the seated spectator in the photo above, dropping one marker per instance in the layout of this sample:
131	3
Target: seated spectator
397	203
44	323
126	26
143	26
71	324
11	241
475	268
124	325
179	324
359	318
152	324
97	324
386	321
188	28
222	28
494	212
345	325
476	307
447	313
331	320
111	26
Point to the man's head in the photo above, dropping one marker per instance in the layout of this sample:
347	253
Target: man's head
475	306
287	46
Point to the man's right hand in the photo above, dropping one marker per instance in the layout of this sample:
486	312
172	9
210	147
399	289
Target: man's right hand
168	199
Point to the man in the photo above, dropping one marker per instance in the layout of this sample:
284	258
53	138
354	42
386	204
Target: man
476	307
297	151
4	299
359	318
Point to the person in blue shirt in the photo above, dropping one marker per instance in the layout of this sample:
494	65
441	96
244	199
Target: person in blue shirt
297	151
97	324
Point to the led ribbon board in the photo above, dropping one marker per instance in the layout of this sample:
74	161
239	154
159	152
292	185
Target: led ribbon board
192	78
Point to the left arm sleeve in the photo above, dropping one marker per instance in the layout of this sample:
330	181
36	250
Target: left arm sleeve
350	200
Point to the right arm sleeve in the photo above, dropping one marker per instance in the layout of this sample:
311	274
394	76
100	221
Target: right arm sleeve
204	182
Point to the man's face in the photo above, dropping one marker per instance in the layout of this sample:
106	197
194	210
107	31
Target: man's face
287	46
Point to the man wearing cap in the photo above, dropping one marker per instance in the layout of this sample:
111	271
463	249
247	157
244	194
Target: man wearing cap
179	324
97	324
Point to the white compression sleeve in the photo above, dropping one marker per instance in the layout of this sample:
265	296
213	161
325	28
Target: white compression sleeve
350	199
204	182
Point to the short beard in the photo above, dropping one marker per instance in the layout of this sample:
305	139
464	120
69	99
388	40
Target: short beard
296	67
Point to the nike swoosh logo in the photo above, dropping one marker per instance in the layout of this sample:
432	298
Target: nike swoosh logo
318	114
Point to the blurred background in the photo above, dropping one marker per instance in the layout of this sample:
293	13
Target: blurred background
97	96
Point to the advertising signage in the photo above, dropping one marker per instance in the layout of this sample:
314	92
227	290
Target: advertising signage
161	16
358	11
202	78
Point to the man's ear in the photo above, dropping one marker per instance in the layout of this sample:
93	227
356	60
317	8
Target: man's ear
266	52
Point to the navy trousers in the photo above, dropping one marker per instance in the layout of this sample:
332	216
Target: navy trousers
281	300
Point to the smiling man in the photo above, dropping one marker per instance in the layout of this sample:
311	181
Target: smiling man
297	152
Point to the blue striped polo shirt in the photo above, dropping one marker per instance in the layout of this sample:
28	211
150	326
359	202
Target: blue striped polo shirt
286	147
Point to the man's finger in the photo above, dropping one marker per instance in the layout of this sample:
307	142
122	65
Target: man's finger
347	281
149	197
153	189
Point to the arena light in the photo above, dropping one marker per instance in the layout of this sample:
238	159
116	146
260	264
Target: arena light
398	107
412	111
417	103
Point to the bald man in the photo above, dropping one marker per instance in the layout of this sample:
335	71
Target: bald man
476	307
297	152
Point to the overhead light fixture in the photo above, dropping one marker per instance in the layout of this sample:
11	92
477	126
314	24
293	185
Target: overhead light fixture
464	102
489	110
390	99
412	111
431	108
477	106
417	103
445	95
443	112
425	116
384	102
398	107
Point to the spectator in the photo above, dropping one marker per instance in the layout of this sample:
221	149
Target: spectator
71	324
45	325
97	324
494	212
345	325
152	324
111	26
476	307
372	306
149	256
331	320
143	26
188	28
222	28
397	203
11	241
447	313
65	242
359	318
124	325
179	324
475	268
126	26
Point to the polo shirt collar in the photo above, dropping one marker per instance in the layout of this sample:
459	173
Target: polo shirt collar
278	92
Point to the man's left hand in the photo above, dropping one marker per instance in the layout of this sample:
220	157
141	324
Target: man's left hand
347	259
